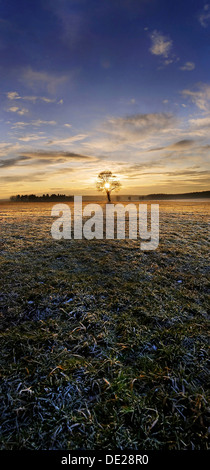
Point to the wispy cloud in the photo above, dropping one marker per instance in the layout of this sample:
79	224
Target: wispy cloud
10	162
40	122
67	140
7	148
178	146
182	144
42	80
200	123
124	136
135	127
200	96
188	66
32	177
14	95
42	157
189	174
35	123
75	27
199	127
58	154
204	17
31	137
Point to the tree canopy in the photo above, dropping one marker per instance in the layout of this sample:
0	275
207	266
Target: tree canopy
107	182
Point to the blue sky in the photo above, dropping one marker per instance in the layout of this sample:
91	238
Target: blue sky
88	85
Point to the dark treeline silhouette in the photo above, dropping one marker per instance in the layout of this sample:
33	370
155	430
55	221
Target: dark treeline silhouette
43	198
194	195
63	197
161	196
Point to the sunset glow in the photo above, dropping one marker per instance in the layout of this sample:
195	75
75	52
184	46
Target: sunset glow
88	85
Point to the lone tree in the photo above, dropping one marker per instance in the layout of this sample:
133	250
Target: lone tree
107	182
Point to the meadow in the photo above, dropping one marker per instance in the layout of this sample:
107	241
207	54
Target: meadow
104	346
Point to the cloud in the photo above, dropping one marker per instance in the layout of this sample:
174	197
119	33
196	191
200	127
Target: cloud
204	17
156	149
16	109
199	123
36	123
188	66
31	177
20	125
9	162
182	144
171	175
30	137
199	97
74	25
68	125
199	127
136	169
13	109
189	174
185	150
161	45
7	148
13	95
135	127
45	159
40	122
136	131
178	146
67	140
40	79
43	156
38	98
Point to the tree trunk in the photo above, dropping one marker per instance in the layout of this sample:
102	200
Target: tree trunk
108	196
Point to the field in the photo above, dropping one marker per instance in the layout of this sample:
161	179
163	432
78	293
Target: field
104	346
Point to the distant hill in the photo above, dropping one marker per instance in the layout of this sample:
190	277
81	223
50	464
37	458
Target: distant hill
194	195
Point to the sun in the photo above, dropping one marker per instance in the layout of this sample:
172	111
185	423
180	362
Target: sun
107	185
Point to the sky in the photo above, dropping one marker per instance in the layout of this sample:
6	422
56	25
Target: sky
119	85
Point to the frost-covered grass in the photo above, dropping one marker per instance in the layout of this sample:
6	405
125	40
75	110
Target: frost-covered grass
104	346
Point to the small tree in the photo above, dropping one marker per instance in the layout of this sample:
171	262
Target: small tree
107	182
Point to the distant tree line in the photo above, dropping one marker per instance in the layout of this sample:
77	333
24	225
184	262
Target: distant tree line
159	196
193	195
43	198
63	197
